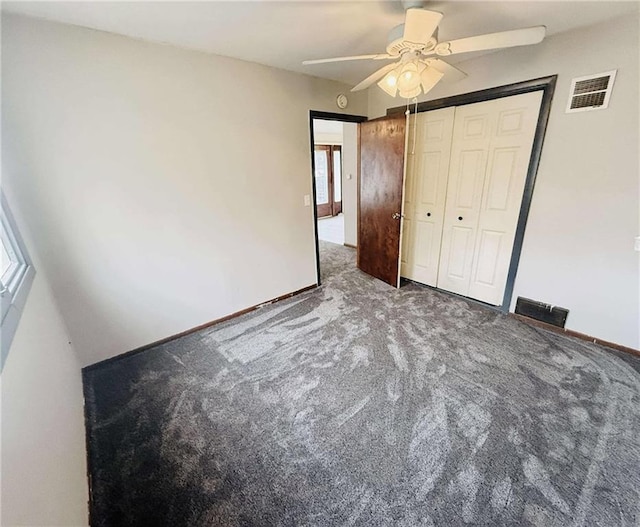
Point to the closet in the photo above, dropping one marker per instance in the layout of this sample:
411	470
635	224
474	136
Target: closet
466	168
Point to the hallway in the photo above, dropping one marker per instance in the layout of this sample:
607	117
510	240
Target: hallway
331	229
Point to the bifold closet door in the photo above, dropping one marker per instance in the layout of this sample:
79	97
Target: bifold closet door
490	156
425	193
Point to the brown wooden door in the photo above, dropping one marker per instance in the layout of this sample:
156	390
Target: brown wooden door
382	143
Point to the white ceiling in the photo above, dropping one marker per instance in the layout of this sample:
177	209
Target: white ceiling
283	34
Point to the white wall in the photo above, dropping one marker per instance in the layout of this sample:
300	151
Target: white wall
578	248
164	187
350	183
44	474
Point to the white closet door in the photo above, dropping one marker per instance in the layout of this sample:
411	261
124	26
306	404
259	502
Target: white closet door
507	166
471	138
490	156
425	193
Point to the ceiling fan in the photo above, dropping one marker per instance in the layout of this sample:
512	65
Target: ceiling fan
416	44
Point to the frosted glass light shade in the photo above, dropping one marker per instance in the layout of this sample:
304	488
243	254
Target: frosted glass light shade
389	82
408	94
429	78
409	77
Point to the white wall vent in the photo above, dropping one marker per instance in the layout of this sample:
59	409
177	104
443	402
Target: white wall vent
591	92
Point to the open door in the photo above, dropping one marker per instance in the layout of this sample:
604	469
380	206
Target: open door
382	147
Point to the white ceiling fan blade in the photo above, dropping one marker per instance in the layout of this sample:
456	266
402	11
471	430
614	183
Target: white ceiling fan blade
379	56
451	73
504	39
420	24
376	75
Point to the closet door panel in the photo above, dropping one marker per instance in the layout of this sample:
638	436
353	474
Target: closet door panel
429	164
460	248
509	155
428	170
488	250
471	136
426	233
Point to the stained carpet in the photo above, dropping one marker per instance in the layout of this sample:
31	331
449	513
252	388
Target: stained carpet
358	404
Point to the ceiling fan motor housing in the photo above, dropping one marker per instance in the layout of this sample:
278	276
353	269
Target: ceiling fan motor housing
408	4
396	45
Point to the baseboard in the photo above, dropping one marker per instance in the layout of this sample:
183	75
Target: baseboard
581	336
350	246
193	330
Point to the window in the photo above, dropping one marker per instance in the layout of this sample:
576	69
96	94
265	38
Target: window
16	276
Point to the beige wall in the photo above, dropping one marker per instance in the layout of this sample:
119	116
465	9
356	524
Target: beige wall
44	474
164	187
578	249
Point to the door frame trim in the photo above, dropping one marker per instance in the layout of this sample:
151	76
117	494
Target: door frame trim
545	84
325	116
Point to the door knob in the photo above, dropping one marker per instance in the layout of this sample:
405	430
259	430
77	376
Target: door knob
460	218
396	216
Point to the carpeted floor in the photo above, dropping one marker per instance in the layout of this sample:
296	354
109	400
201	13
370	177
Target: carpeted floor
358	404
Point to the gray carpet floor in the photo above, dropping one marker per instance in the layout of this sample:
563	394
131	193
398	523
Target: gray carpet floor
359	404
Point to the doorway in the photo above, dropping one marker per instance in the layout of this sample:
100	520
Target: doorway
334	175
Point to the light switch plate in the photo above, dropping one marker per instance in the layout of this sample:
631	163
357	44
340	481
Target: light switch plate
307	200
636	245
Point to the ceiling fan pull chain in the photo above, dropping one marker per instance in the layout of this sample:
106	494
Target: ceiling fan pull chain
415	124
407	115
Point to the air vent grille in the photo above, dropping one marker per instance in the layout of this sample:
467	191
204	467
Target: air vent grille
591	92
588	100
591	85
554	315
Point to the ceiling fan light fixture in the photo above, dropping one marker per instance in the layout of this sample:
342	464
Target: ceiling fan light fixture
429	78
409	78
409	94
391	78
389	83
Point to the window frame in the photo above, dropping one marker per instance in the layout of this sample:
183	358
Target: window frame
15	282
